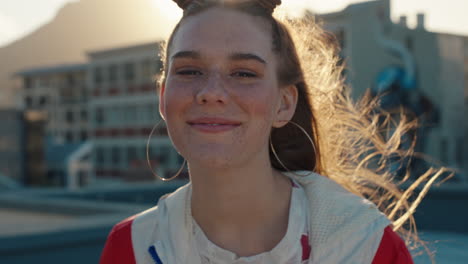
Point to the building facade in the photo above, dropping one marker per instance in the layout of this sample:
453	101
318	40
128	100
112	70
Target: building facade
55	103
60	93
124	109
111	102
425	72
12	148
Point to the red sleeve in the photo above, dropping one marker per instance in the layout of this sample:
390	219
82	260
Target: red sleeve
118	248
392	249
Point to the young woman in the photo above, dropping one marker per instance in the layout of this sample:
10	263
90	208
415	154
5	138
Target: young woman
259	114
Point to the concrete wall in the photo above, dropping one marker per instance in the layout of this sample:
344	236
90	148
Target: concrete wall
73	246
80	241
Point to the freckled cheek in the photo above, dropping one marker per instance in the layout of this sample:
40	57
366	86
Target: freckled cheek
177	97
260	104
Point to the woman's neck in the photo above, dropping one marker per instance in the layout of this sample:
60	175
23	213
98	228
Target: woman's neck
244	210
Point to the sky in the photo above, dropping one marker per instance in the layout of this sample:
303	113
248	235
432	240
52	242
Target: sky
20	17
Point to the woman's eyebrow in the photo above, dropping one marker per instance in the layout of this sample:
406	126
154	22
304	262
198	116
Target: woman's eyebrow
186	54
190	54
246	56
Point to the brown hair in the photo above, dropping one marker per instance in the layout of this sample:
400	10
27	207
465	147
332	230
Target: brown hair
351	146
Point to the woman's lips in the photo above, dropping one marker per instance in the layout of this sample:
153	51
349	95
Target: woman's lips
213	125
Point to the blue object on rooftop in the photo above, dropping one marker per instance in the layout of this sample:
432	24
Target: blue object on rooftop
57	154
8	183
393	76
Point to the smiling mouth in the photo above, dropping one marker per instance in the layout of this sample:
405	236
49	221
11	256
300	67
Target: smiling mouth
216	124
213	126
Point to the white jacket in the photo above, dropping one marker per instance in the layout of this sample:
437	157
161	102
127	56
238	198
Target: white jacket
344	228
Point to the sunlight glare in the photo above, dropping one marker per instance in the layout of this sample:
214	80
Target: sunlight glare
167	9
168	14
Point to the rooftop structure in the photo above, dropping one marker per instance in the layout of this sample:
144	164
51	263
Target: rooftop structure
124	109
424	72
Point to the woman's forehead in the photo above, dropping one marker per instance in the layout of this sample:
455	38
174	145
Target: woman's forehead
223	31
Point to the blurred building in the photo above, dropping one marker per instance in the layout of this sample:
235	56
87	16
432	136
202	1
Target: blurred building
55	103
425	72
12	147
123	108
112	99
90	123
60	93
34	141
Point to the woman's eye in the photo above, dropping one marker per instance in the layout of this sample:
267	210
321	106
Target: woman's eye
244	74
189	72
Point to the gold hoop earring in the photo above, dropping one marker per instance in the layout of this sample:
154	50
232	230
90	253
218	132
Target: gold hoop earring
311	142
148	160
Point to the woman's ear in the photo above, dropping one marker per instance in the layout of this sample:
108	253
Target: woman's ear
287	105
162	112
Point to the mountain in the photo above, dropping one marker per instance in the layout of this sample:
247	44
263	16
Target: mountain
80	27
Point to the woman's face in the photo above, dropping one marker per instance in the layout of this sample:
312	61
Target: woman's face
221	96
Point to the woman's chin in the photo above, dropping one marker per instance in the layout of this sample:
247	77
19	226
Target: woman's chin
212	161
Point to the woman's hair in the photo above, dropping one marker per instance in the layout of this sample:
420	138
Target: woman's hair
352	141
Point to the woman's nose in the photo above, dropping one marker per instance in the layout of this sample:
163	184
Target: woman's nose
213	91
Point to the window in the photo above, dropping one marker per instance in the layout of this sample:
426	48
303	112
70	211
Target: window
130	114
27	81
117	117
146	70
129	70
409	43
151	114
84	115
67	92
70	80
44	81
100	119
153	152
28	101
84	93
164	154
143	151
100	159
115	155
68	137
132	154
113	73
69	117
83	135
42	101
140	114
98	78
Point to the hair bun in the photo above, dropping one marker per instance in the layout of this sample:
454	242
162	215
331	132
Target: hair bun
182	3
269	5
